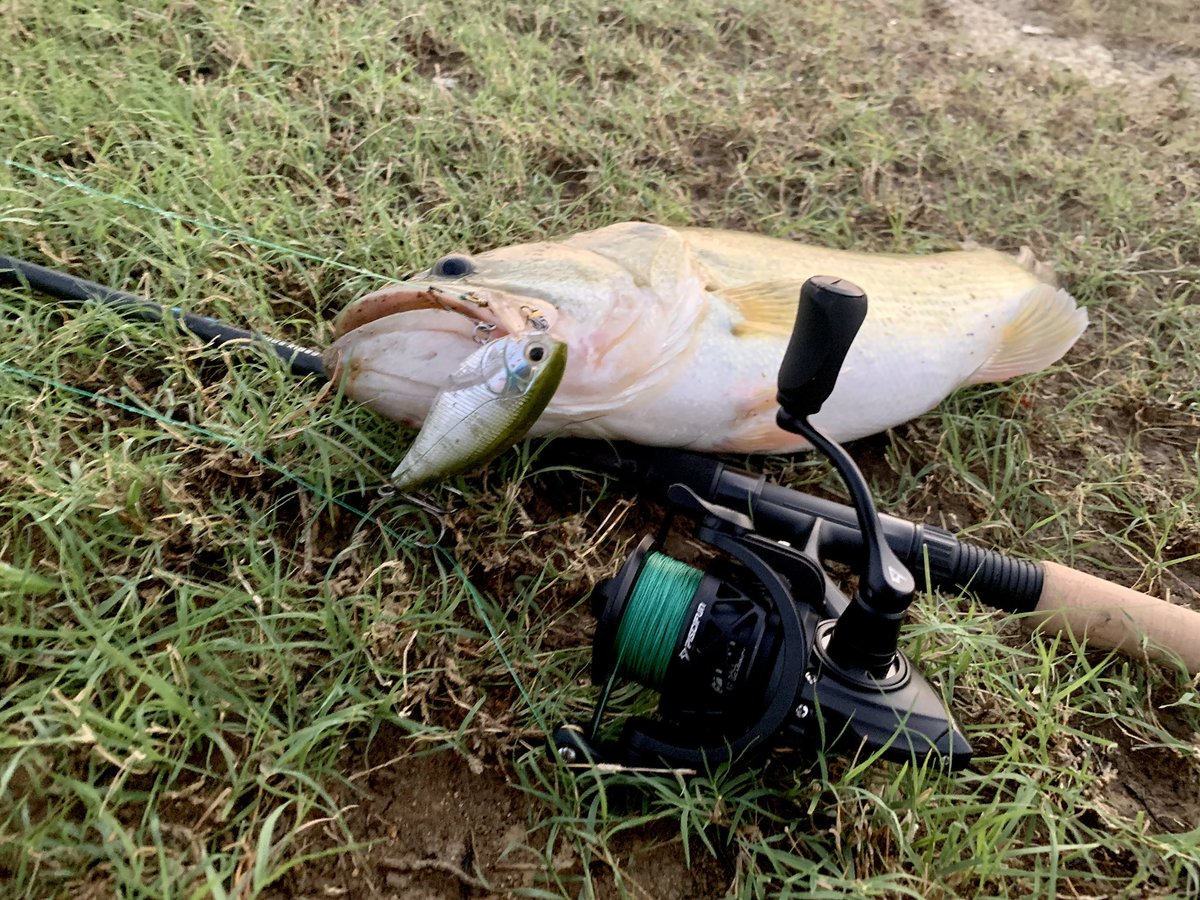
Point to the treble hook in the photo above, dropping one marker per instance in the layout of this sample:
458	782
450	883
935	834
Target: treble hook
534	319
388	492
483	332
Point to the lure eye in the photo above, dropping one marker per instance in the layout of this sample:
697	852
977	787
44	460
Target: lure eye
535	353
452	266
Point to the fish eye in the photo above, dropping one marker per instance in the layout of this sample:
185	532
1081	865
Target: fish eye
535	353
453	266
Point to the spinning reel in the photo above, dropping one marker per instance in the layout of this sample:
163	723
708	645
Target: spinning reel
762	649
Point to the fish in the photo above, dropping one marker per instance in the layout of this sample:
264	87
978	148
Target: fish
676	334
486	406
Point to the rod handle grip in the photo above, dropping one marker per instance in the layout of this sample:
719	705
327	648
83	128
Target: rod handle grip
1107	615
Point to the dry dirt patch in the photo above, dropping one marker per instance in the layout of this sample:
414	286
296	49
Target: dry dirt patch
1034	33
435	826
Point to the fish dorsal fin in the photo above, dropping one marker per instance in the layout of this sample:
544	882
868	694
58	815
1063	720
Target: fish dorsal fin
1047	323
767	307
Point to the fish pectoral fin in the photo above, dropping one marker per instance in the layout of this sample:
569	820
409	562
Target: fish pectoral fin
1045	327
767	307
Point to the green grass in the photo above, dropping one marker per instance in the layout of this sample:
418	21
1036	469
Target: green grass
208	661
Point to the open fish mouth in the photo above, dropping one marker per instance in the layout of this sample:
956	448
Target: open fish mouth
440	312
406	350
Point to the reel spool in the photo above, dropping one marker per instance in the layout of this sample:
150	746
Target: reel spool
725	648
705	640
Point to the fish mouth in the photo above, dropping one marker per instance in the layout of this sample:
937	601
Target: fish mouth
394	347
402	348
496	312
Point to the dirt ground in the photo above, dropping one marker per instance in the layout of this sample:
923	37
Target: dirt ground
1040	32
439	826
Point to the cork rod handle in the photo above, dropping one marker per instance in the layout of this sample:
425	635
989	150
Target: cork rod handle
1114	617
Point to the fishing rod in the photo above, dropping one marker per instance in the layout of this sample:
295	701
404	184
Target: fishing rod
746	653
1056	597
15	273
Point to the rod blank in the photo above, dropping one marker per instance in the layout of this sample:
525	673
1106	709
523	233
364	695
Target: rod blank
302	361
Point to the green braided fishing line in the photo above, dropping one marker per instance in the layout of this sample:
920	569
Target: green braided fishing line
654	617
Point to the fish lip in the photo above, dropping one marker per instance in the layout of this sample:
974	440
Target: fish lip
495	313
395	299
498	312
334	360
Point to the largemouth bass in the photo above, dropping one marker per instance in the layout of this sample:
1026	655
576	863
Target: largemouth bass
488	404
676	335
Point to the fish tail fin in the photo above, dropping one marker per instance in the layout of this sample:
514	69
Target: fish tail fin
1047	324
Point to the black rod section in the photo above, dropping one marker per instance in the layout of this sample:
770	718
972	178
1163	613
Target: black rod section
15	273
781	513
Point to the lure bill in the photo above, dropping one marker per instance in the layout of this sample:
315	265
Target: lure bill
491	401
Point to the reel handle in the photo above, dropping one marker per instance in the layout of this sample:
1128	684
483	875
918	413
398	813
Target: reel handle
828	316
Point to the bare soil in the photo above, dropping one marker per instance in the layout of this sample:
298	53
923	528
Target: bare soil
436	826
1150	69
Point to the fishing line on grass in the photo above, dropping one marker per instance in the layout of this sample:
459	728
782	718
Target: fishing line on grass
188	220
442	555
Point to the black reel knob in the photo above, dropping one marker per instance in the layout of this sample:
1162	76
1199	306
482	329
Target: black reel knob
829	314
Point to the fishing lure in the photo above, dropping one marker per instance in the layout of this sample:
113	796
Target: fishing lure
489	404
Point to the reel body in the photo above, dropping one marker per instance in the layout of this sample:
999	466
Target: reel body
745	667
